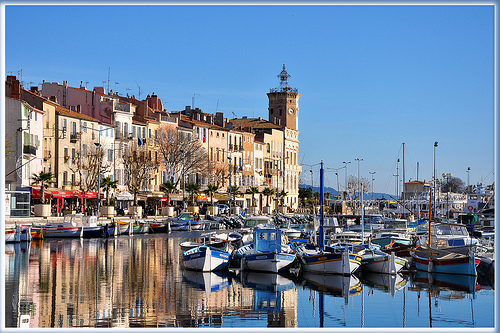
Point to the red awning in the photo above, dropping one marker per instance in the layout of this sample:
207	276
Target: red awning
36	193
62	194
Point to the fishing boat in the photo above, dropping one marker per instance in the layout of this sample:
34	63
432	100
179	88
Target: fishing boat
441	261
385	237
381	262
336	260
88	223
184	221
266	253
13	235
140	228
206	258
434	260
59	230
206	240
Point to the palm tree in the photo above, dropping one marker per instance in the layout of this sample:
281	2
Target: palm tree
107	184
194	189
211	190
167	188
282	195
267	192
235	190
253	190
44	179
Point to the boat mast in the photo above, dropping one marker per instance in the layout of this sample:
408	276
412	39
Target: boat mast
321	208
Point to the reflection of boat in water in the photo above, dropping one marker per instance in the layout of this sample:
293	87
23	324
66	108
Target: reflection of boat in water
268	289
266	281
206	281
333	284
384	282
457	282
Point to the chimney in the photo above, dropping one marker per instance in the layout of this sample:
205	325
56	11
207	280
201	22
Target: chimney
16	86
53	99
34	90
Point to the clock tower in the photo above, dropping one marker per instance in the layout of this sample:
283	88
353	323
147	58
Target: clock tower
284	103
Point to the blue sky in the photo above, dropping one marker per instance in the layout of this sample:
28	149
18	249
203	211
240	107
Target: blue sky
370	77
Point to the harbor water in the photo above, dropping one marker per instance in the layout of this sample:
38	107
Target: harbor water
138	281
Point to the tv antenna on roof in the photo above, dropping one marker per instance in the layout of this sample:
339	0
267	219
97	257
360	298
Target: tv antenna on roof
140	91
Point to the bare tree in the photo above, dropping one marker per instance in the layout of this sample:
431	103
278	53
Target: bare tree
139	168
182	155
86	165
352	185
454	184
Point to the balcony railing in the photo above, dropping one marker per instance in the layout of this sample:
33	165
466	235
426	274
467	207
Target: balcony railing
29	149
74	137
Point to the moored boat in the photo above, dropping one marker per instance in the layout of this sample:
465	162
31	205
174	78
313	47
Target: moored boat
59	230
205	258
267	252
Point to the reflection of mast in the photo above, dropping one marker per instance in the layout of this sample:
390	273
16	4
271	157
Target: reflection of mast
430	307
321	309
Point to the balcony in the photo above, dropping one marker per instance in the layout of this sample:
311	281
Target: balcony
75	137
28	149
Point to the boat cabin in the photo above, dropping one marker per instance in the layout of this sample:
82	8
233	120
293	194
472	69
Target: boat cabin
267	238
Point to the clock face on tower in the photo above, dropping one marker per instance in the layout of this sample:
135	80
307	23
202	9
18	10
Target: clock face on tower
290	111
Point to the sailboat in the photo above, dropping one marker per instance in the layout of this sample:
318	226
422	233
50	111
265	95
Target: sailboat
432	260
336	260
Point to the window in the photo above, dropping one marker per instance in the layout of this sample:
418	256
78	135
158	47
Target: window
110	155
64	124
73	127
65	178
84	127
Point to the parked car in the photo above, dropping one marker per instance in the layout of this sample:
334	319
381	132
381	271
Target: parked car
223	209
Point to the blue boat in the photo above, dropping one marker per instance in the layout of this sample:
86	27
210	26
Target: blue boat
267	254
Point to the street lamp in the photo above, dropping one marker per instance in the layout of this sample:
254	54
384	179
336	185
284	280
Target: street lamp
372	173
468	171
338	189
358	159
346	163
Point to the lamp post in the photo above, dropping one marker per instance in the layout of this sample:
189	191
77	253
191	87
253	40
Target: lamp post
372	173
338	189
359	160
346	163
468	171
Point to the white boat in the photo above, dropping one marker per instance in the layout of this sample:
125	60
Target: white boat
59	230
381	262
452	237
205	258
267	254
88	223
185	221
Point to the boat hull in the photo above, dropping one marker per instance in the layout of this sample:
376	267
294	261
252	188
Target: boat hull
267	262
51	232
344	263
452	263
206	259
382	263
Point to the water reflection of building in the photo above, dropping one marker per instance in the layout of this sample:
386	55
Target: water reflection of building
128	282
